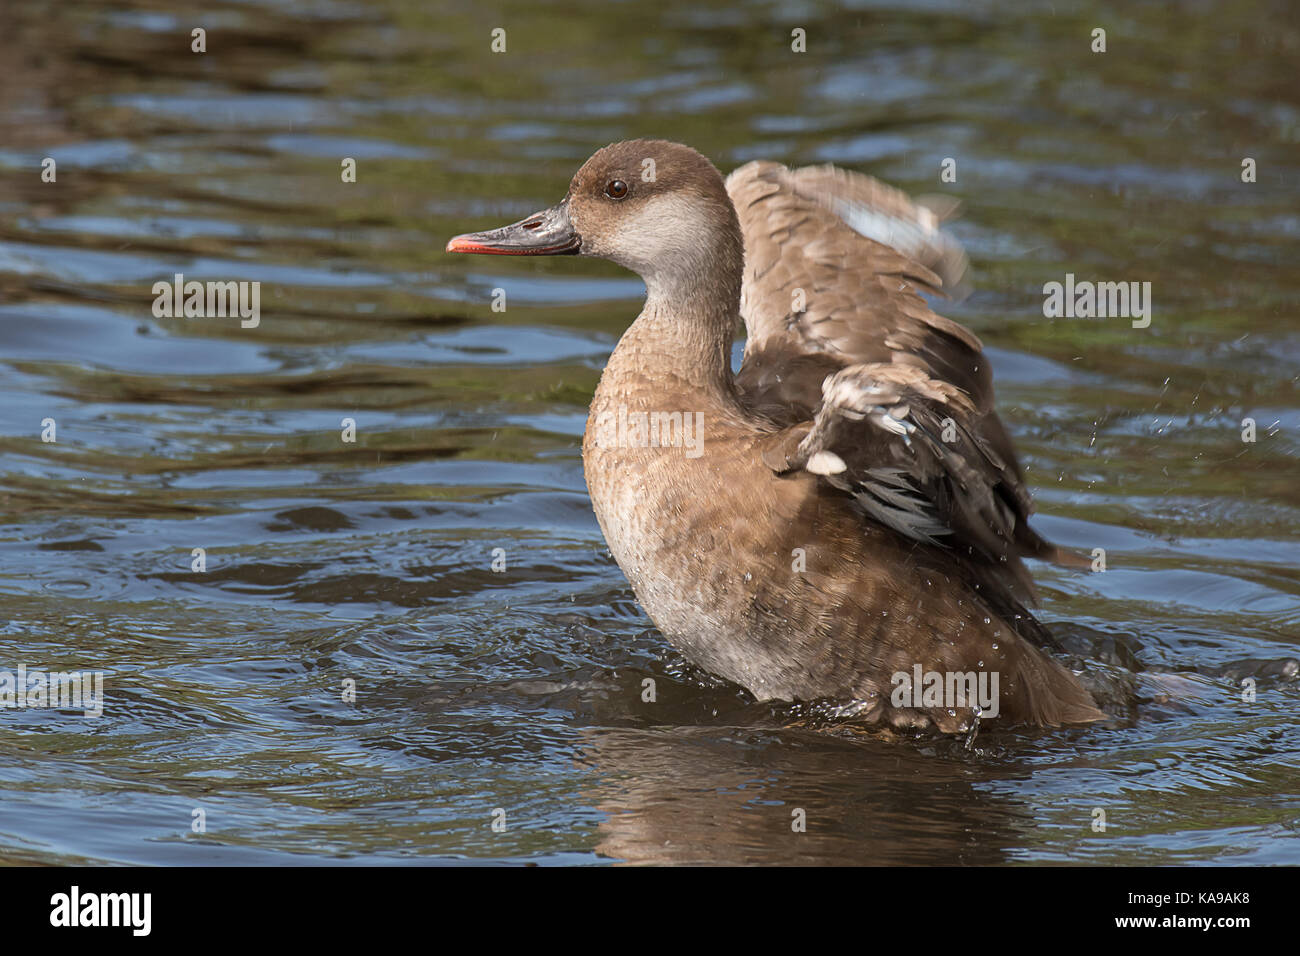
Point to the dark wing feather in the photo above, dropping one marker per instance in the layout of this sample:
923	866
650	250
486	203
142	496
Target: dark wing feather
903	446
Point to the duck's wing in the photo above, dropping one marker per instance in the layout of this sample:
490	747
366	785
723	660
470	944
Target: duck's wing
846	355
833	264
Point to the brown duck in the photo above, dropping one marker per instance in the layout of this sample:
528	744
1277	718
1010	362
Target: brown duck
849	507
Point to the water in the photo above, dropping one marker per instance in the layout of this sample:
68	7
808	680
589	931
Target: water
372	562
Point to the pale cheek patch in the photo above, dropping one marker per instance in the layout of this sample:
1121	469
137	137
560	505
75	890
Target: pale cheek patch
658	234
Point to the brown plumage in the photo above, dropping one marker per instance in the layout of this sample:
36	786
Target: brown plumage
854	508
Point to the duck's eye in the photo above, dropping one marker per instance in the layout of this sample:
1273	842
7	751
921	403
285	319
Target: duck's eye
616	189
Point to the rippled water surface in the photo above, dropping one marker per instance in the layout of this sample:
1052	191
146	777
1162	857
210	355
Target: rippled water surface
372	561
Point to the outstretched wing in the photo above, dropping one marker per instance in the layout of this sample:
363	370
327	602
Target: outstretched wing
845	354
833	264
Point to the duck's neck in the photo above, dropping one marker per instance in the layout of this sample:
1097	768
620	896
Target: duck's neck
681	341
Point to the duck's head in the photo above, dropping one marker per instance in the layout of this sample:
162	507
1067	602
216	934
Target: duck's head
656	207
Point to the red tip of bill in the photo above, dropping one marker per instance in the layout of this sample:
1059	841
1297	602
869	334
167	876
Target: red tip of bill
467	243
462	244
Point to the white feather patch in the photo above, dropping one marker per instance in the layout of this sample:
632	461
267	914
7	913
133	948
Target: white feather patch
826	463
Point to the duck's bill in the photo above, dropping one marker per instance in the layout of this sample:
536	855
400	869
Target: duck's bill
545	233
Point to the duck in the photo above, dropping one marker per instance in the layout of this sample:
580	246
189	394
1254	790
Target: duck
844	518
